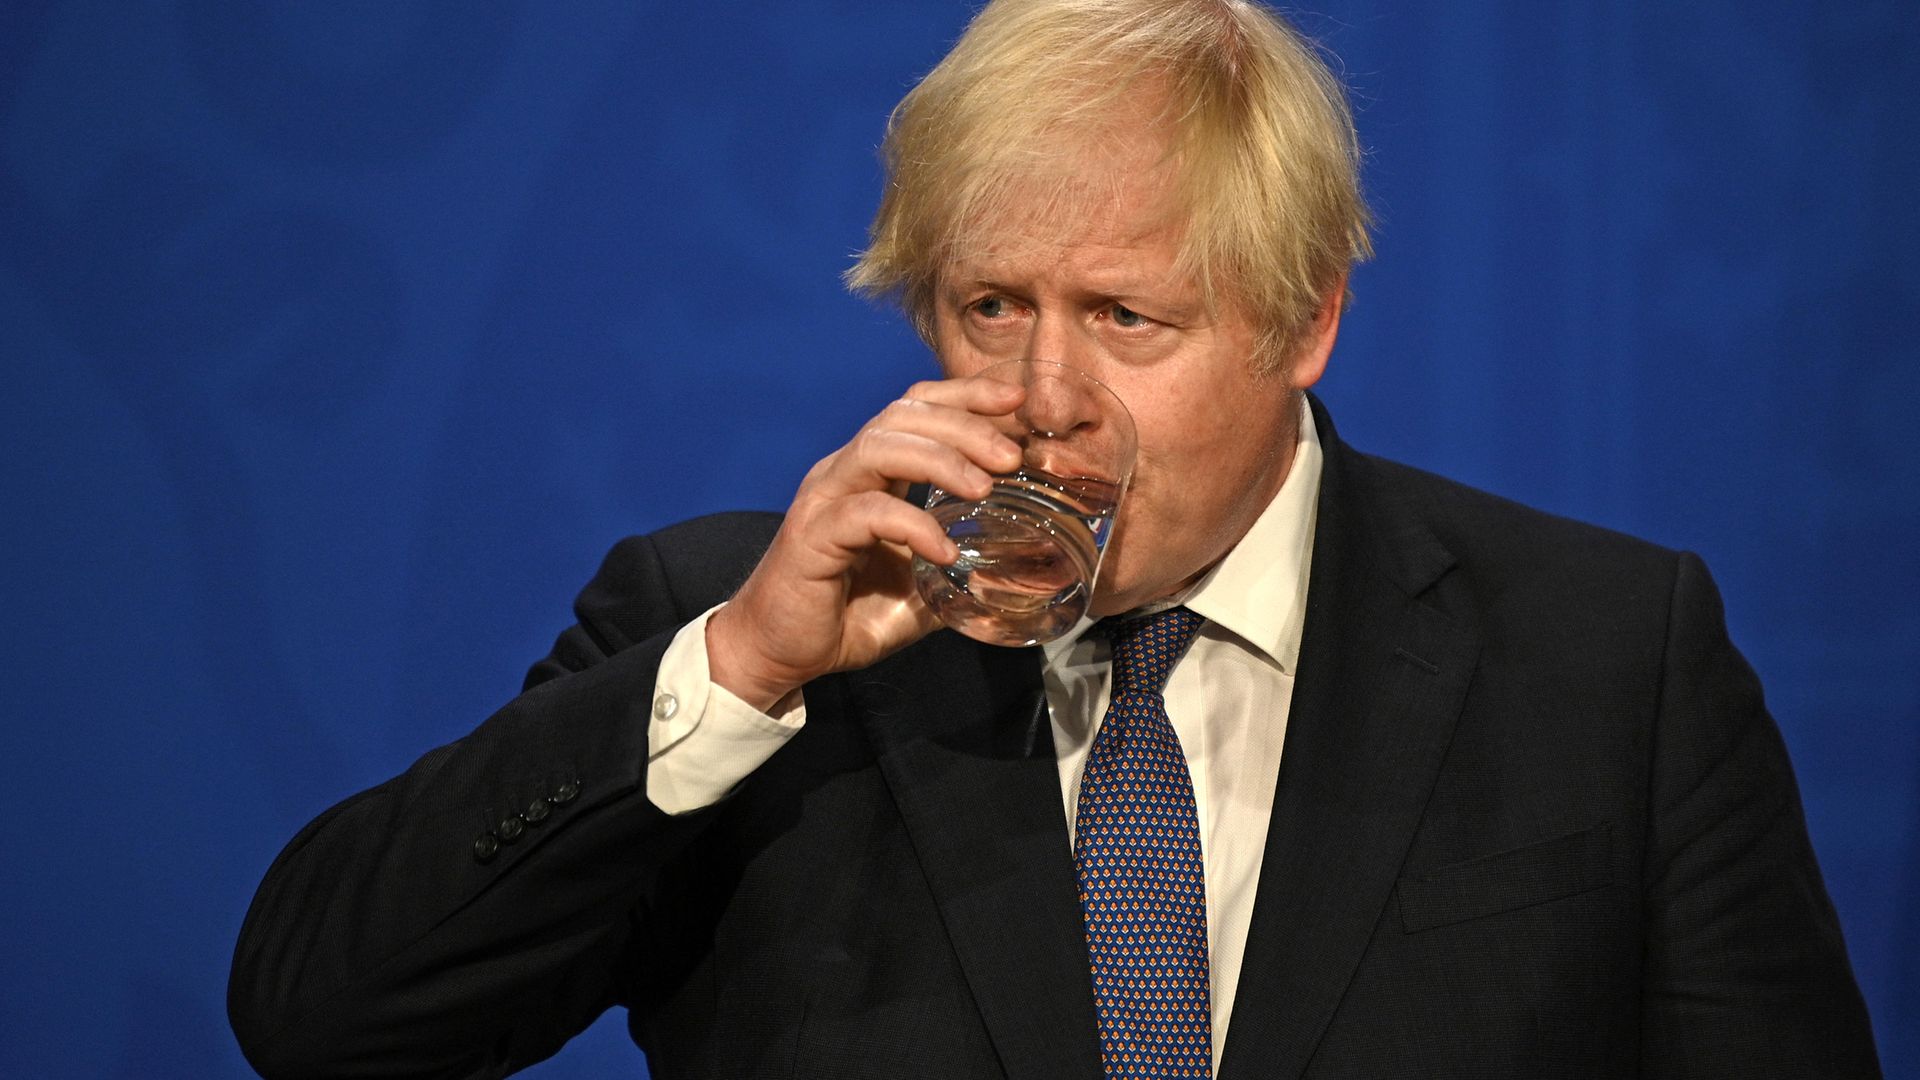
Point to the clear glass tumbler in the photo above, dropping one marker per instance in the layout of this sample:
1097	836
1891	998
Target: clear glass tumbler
1030	551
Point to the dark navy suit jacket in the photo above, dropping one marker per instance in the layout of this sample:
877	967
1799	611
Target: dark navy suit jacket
1532	820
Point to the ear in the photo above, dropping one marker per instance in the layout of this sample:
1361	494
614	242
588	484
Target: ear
1310	362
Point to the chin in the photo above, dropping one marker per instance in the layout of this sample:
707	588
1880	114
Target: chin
1113	597
1105	598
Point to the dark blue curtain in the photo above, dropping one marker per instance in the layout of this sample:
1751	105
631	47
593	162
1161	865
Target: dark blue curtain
340	340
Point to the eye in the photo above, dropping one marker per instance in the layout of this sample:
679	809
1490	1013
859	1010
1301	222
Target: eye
991	307
1127	317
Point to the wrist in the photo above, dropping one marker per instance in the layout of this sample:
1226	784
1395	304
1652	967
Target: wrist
734	664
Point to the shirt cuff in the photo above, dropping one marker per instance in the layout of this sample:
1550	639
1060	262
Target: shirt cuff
701	739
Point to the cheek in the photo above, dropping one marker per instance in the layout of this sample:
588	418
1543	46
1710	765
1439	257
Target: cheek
1199	456
1178	429
959	356
944	342
1173	472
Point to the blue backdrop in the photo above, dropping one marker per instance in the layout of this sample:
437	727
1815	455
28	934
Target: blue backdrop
341	339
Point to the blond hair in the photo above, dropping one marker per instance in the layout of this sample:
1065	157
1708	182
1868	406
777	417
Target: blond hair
1254	125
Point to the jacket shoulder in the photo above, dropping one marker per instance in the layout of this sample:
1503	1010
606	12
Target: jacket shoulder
1512	560
657	582
682	569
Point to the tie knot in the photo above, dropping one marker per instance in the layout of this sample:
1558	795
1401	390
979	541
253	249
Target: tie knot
1146	647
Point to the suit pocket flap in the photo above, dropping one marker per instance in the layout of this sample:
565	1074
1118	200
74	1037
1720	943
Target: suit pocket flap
1548	870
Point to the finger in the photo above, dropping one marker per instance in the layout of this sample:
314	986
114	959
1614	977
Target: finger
881	458
986	440
861	521
988	397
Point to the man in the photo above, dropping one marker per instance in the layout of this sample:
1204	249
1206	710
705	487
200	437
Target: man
1474	791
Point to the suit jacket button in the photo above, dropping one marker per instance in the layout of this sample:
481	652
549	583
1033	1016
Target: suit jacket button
565	793
510	830
485	848
536	812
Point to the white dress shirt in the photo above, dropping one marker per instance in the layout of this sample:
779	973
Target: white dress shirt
1228	699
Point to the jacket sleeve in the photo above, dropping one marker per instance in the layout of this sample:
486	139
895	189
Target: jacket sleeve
467	917
1746	973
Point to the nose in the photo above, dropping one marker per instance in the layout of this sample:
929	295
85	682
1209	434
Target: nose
1055	338
1060	402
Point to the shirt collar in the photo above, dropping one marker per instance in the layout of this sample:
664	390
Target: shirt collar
1258	592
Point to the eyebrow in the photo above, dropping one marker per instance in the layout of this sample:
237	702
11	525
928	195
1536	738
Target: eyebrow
1163	306
1118	291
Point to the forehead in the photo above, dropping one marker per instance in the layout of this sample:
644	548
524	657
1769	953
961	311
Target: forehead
1083	264
1118	220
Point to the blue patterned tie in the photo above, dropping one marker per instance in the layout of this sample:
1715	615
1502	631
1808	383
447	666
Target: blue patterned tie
1137	848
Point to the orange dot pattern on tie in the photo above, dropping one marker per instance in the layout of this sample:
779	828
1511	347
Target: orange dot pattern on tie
1137	850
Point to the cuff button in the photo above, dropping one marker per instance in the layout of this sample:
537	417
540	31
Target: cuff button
510	830
536	811
565	793
485	848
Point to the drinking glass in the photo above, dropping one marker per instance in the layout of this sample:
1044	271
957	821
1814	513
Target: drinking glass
1030	551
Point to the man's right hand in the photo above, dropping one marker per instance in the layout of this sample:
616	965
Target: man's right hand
835	590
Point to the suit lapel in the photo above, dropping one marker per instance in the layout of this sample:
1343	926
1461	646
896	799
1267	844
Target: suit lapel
964	742
1381	680
963	739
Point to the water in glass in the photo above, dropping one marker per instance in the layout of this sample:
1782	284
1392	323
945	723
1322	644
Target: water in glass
1028	553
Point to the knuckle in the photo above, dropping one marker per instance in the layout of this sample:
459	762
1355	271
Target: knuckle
818	471
801	516
870	442
890	514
